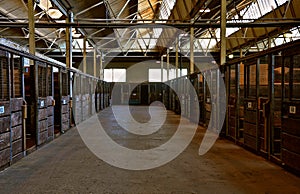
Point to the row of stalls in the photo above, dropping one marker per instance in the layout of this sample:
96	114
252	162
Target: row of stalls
262	102
135	93
41	99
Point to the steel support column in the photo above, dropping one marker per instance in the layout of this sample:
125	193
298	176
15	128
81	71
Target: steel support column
95	63
101	68
84	55
176	57
162	68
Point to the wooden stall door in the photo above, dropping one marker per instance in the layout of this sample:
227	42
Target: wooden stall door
17	116
251	107
291	114
5	143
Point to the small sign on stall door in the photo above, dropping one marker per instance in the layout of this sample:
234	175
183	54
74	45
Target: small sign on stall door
42	103
2	110
292	110
249	104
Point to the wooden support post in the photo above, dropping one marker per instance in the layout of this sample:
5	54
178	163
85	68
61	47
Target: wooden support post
31	27
192	65
168	65
223	33
69	42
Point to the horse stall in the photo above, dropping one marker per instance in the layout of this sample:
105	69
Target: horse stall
5	132
85	98
50	102
290	134
17	108
77	106
39	96
93	96
62	100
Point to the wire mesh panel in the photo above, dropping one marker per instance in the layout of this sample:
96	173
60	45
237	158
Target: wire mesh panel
17	76
65	115
65	84
49	81
5	143
4	92
42	80
42	128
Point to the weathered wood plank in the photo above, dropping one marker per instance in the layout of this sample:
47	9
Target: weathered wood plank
4	140
50	133
291	126
291	159
4	157
65	117
16	119
291	142
49	100
250	116
50	110
50	120
17	147
65	108
16	132
42	113
250	129
42	137
250	141
65	126
43	125
16	104
4	124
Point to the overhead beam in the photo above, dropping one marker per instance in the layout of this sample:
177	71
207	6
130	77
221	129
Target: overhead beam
279	23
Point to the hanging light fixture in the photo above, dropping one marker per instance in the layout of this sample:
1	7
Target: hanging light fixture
54	13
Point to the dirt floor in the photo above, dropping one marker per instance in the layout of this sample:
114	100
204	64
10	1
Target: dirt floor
66	165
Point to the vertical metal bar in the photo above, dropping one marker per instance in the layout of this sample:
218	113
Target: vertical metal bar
176	57
35	79
60	99
84	56
228	77
237	101
101	68
9	65
291	78
162	69
270	125
95	63
180	65
257	97
12	82
24	104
